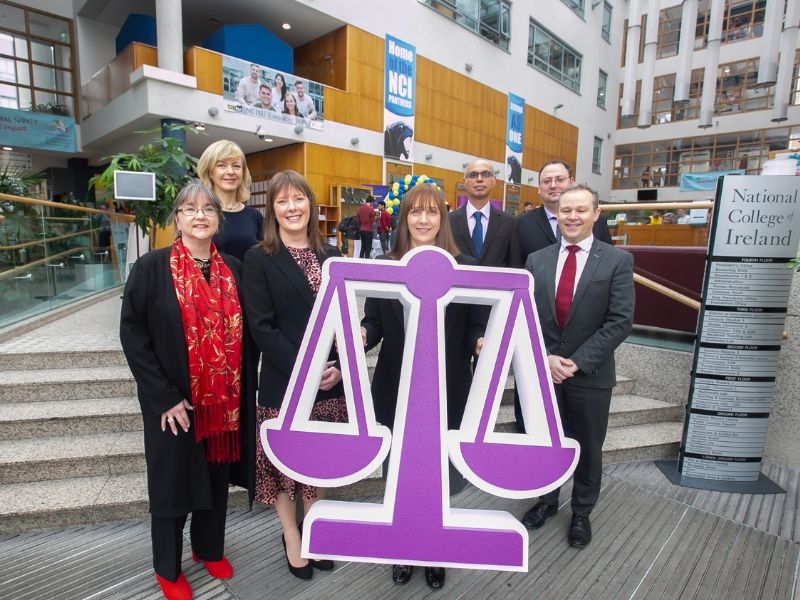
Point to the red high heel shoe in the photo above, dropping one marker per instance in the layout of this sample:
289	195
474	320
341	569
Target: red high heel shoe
219	569
175	590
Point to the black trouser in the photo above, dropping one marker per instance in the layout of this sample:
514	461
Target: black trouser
584	414
366	244
207	531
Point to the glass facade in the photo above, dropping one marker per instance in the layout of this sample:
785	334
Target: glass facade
36	61
670	158
553	57
491	19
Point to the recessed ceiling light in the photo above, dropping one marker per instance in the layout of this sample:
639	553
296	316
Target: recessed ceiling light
7	148
286	26
268	140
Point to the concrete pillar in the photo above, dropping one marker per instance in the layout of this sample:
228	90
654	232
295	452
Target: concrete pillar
169	29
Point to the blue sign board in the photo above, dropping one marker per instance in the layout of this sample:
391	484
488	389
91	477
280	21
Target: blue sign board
26	129
702	182
398	107
514	128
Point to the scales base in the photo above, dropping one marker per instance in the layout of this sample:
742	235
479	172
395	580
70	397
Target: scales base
411	544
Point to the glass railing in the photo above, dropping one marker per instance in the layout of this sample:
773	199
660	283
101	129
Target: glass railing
52	254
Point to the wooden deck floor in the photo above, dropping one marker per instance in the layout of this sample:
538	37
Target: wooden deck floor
651	540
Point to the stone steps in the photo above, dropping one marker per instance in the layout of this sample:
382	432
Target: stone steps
71	447
40	385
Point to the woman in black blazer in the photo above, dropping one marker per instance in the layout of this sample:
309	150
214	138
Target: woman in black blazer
199	428
281	278
423	222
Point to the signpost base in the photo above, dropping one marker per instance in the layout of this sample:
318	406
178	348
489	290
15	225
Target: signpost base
764	485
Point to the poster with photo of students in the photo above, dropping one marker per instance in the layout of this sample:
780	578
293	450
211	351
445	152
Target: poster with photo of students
272	95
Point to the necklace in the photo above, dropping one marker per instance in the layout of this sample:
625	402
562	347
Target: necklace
235	208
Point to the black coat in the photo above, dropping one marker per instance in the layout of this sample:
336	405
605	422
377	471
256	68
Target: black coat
535	233
463	325
500	244
151	332
278	302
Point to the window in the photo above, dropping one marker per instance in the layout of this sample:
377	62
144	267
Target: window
606	30
576	6
745	150
36	58
795	97
597	154
491	19
663	110
551	56
602	83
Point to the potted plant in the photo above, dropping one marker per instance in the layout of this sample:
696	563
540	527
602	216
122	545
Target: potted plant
173	167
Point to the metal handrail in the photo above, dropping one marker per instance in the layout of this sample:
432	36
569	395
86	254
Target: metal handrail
45	240
75	207
27	266
655	205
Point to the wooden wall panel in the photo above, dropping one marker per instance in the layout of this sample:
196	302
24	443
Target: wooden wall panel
361	105
547	138
324	59
206	66
458	113
144	55
326	166
263	165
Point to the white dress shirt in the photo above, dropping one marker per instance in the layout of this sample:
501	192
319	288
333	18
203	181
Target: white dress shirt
553	220
581	256
485	211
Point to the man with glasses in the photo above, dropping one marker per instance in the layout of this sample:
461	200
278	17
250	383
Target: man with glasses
539	228
487	234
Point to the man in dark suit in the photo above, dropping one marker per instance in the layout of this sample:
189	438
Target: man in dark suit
480	230
584	299
537	229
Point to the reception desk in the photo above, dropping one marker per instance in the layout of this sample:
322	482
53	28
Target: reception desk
660	235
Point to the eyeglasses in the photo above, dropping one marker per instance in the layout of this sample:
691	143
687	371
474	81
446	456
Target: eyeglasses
481	174
191	211
552	180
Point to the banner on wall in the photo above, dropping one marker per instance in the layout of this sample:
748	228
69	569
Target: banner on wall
26	129
514	128
398	105
268	94
704	182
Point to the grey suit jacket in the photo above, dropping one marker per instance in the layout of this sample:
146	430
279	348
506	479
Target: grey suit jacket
601	316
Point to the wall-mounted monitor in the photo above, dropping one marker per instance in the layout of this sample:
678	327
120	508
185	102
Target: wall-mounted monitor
129	185
647	195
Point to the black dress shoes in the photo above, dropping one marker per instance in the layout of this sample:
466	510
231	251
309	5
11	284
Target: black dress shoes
580	531
305	572
401	573
322	564
434	577
536	516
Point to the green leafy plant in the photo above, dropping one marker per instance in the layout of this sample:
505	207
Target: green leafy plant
17	217
51	108
172	166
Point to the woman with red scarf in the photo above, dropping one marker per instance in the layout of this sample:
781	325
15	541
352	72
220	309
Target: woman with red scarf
183	334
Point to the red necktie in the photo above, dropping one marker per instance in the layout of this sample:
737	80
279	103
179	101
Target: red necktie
566	285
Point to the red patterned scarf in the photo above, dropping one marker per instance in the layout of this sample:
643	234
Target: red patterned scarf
212	326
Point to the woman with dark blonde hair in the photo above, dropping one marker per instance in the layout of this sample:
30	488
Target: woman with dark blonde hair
423	222
223	168
186	342
282	276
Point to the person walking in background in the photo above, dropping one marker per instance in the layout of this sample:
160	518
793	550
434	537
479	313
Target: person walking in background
384	226
423	222
366	219
282	276
223	168
585	298
185	340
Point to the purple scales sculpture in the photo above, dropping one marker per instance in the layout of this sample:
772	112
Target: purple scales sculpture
415	523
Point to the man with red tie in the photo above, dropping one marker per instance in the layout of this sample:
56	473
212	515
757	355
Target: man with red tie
584	298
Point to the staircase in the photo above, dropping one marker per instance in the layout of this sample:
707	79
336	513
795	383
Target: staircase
71	447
